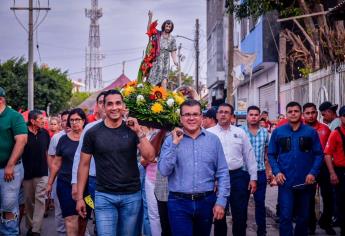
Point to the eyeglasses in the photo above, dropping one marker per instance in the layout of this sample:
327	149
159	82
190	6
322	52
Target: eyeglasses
224	112
191	115
75	120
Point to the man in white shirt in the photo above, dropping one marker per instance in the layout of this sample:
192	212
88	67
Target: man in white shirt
242	166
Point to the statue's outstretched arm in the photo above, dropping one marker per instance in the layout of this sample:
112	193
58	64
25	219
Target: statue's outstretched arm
150	20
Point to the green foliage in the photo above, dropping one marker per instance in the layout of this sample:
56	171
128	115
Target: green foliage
50	86
78	97
173	79
305	71
257	8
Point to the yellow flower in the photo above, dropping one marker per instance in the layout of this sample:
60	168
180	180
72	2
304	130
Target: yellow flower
128	91
159	92
131	84
179	99
157	108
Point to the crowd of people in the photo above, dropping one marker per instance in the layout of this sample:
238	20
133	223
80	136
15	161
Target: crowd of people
137	180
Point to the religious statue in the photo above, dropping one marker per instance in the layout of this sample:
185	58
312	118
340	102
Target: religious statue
162	44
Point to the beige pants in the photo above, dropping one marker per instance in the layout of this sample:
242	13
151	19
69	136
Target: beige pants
35	201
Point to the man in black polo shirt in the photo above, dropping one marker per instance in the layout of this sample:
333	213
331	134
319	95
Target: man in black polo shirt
35	172
114	144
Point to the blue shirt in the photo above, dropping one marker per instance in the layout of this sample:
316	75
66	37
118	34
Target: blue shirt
194	165
295	153
259	143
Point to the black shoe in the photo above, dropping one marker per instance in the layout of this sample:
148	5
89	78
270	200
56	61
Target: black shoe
329	231
311	231
29	232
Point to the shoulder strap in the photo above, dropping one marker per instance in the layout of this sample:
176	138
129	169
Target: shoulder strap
342	137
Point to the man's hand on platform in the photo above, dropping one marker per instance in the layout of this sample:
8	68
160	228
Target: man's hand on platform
177	135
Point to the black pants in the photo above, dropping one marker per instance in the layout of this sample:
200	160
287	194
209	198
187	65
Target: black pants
164	218
239	198
340	196
327	194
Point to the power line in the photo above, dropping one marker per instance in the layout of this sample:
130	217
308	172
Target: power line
114	64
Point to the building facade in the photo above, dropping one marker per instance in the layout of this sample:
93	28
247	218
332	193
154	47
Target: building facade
259	36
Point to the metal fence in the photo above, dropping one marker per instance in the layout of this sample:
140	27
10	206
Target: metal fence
324	85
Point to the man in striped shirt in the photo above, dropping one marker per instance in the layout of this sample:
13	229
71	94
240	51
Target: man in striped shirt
259	137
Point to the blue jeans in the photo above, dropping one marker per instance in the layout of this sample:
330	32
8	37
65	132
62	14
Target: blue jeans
239	198
290	199
259	198
188	217
9	200
144	222
117	214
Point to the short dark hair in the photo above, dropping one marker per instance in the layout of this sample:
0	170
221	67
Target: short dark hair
112	92
33	114
308	105
293	104
80	113
190	103
264	112
100	95
253	108
66	112
168	22
227	105
262	119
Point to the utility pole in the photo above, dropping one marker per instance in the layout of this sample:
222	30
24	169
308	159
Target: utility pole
197	52
30	50
123	67
179	64
230	89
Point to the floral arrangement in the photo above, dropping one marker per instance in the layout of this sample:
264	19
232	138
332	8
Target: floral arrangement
151	52
152	105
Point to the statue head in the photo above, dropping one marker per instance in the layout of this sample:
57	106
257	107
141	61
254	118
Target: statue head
167	26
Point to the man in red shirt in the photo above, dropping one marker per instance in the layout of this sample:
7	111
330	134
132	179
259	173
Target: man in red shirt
310	118
96	113
335	160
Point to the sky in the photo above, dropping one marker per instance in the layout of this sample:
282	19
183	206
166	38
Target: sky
62	36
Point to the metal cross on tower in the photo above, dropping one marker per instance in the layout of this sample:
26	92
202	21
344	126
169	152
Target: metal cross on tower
93	57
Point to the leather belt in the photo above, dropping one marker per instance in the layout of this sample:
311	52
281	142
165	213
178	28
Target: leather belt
192	196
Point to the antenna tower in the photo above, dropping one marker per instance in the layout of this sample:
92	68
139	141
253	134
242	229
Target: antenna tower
93	57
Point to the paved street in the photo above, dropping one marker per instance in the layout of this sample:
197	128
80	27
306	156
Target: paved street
272	226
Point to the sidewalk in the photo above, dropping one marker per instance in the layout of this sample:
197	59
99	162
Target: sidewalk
271	200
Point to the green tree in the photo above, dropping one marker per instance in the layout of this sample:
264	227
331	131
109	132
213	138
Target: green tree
51	85
173	80
78	97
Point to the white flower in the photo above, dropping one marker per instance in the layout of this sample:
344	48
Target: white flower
140	98
121	91
178	111
140	85
170	102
